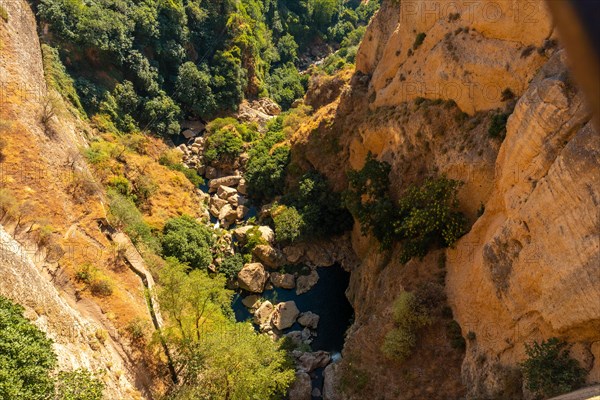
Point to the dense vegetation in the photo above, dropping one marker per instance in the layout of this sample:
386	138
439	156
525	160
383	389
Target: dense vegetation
166	59
549	370
219	359
188	241
27	361
424	216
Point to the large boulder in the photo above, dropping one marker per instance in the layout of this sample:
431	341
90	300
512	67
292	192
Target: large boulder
293	254
284	281
215	204
253	277
285	315
308	362
211	173
242	211
242	187
268	255
251	301
308	319
305	282
262	316
301	389
227	215
225	192
230	181
330	383
241	233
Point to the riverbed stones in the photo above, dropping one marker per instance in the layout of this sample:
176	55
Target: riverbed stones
253	277
293	254
251	301
285	315
305	282
268	255
295	337
225	192
308	319
301	389
215	204
242	187
242	211
241	233
227	215
308	362
231	180
263	315
211	173
284	281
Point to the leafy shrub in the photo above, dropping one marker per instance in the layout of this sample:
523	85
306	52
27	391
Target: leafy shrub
267	163
125	215
419	40
224	143
172	160
427	215
549	370
101	287
368	199
231	265
285	85
85	273
409	317
58	78
161	115
121	185
8	204
78	385
320	208
135	329
188	241
193	90
497	127
288	225
26	356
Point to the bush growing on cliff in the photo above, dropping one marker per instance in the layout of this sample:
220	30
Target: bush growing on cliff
26	356
368	200
425	215
267	163
549	370
409	316
78	385
188	241
428	215
224	141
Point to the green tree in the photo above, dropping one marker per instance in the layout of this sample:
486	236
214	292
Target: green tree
549	370
161	115
288	225
188	241
285	85
26	356
193	90
219	359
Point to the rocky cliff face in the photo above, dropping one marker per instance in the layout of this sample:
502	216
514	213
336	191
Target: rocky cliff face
530	266
50	231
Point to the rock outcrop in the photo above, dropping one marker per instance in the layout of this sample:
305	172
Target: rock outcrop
252	277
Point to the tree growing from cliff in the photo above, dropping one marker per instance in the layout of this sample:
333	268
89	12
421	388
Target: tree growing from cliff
549	370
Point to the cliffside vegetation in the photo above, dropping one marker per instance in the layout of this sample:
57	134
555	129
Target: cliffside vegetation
28	362
424	216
